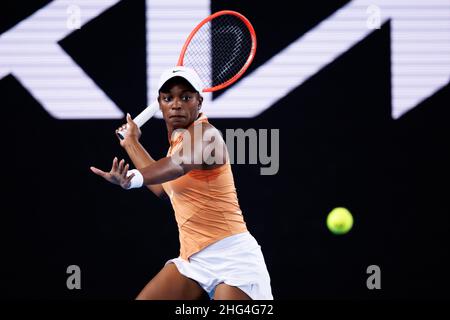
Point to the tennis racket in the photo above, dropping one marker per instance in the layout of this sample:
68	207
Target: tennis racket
219	49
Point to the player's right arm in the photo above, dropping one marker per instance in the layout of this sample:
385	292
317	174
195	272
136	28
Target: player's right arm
138	155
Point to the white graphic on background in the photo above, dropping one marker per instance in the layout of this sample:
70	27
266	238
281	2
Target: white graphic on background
420	44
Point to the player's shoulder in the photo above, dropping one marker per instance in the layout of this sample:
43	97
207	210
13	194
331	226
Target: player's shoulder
205	127
208	126
211	131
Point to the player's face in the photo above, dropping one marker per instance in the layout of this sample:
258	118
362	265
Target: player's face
180	106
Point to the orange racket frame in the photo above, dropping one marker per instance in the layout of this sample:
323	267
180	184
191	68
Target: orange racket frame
249	59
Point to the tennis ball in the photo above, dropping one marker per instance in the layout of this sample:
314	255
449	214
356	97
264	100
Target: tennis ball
339	220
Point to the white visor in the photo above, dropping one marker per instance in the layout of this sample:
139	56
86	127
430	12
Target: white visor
179	71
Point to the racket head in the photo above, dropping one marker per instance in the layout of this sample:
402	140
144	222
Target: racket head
220	49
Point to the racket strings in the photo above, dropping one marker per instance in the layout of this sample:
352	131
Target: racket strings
219	50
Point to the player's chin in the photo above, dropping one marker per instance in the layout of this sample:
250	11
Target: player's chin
178	122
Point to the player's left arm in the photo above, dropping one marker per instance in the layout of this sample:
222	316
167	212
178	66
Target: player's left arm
212	153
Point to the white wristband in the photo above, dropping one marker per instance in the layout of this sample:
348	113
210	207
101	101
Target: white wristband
137	181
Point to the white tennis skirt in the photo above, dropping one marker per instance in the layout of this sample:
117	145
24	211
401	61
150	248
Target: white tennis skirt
236	260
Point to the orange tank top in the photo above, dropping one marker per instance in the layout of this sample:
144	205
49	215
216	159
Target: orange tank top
205	204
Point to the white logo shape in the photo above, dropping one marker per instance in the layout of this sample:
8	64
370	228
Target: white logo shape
420	33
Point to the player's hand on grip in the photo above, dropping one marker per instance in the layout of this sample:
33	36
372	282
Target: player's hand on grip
117	174
130	132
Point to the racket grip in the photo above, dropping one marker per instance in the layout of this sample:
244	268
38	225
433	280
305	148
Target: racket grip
142	118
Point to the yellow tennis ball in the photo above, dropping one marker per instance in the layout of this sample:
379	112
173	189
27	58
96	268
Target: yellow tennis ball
339	220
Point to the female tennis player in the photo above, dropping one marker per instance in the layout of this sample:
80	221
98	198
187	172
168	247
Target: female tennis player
218	255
